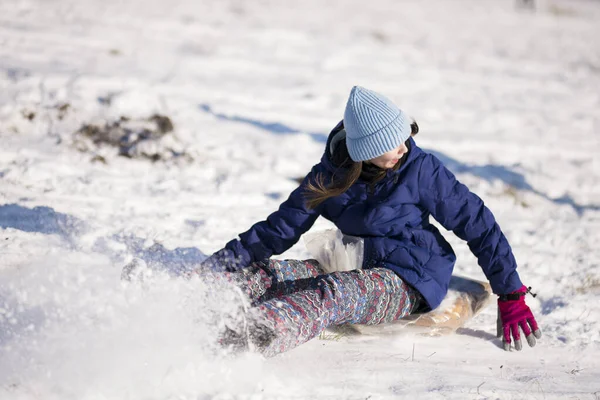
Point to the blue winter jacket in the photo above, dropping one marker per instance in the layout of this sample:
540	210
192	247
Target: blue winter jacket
393	219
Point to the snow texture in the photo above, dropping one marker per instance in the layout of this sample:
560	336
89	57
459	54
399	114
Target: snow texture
505	93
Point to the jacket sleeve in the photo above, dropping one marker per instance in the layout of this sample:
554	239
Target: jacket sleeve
280	231
461	211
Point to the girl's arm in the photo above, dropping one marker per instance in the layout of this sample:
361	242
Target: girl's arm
461	211
280	231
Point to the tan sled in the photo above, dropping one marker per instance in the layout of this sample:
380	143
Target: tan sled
465	299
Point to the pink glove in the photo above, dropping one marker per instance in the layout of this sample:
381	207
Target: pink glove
514	313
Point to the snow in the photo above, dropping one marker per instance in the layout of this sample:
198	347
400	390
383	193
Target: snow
506	96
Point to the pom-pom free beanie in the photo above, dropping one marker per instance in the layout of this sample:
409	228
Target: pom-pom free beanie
373	124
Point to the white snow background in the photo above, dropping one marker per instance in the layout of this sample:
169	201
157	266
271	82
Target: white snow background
508	97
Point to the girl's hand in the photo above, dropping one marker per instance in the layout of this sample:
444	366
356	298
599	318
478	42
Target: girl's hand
513	314
223	260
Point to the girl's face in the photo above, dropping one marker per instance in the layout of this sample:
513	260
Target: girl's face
391	158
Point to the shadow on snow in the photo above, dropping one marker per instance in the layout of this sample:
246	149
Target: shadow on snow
489	172
39	219
492	172
272	127
176	262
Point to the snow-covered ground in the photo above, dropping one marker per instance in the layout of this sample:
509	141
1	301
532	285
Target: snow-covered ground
507	96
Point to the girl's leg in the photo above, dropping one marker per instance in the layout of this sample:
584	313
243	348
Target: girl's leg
370	296
254	281
291	270
268	278
259	282
289	276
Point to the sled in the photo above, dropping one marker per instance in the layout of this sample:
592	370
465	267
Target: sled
465	299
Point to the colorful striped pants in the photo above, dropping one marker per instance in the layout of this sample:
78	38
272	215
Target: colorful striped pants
297	302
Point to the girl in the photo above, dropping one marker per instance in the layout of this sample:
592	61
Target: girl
375	183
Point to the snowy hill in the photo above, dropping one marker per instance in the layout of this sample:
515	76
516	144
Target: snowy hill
180	122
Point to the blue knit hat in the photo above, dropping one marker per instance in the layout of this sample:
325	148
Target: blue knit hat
373	124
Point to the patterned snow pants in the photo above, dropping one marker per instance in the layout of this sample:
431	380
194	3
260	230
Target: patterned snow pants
298	302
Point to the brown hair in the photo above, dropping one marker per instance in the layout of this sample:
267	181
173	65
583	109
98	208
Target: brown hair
347	173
